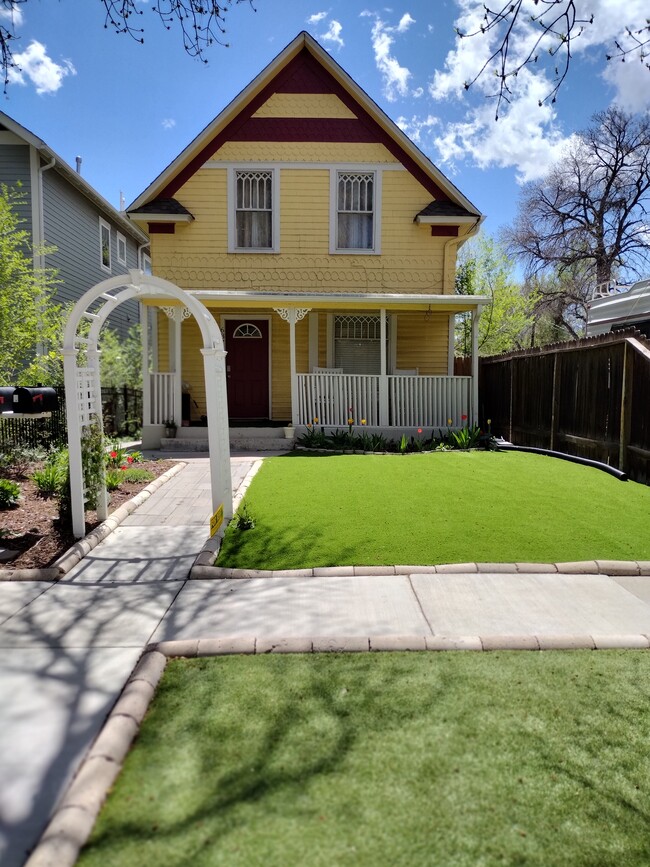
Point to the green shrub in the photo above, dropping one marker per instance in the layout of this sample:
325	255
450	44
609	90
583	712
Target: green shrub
114	479
50	479
136	475
9	493
243	520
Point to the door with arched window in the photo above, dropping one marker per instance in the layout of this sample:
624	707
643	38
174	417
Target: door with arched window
247	368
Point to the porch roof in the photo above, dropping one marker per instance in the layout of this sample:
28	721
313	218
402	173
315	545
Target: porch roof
339	300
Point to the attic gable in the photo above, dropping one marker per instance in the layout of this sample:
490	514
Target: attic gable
303	96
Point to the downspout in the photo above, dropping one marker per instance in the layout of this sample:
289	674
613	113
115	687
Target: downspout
40	240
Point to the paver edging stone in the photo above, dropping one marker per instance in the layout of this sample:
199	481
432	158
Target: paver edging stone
73	821
84	546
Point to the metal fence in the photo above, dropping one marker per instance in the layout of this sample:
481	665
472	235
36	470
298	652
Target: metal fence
122	412
588	397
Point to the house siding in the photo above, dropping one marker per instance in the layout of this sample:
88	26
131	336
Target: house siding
15	173
71	224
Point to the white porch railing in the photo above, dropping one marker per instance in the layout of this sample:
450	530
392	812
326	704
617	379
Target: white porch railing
413	401
429	401
333	397
162	397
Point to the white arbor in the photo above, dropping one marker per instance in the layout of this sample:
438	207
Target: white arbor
83	385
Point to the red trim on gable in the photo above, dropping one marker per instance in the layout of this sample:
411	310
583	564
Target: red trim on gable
313	129
444	231
302	71
162	228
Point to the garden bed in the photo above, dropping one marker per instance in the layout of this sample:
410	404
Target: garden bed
32	527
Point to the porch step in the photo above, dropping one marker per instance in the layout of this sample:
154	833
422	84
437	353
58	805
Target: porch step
238	441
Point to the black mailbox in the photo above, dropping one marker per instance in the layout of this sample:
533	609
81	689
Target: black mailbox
33	400
7	399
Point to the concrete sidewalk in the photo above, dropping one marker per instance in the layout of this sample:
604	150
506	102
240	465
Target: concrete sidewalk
69	647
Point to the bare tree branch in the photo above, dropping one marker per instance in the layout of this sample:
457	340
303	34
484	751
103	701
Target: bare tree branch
557	21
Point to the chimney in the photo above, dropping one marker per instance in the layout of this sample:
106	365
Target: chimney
78	161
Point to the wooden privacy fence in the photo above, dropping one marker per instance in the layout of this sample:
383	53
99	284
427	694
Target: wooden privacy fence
122	411
588	397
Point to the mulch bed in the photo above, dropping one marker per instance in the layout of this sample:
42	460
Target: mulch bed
32	527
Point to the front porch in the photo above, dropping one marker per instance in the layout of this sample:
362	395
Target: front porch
312	355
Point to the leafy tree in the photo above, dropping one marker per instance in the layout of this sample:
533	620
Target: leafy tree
121	358
547	31
202	23
506	324
29	321
592	209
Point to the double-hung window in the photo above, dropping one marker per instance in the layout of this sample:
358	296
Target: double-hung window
355	226
104	245
254	210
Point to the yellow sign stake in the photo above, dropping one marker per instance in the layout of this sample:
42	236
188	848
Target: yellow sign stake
216	520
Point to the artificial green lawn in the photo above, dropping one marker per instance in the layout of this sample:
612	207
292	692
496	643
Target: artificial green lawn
451	507
388	759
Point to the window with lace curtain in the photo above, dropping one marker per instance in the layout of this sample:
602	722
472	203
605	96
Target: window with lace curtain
355	216
254	210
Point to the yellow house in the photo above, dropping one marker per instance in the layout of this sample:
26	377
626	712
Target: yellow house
324	243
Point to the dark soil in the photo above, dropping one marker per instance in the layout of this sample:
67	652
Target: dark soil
33	527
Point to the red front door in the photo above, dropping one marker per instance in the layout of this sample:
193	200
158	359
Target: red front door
247	367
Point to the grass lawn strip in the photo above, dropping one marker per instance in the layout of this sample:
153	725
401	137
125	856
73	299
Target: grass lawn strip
396	758
436	508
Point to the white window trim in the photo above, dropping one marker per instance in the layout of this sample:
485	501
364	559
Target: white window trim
275	209
121	239
376	225
103	224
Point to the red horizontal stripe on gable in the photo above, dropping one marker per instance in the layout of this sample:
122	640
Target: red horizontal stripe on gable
300	74
312	129
444	231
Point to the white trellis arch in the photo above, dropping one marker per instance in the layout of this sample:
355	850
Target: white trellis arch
83	385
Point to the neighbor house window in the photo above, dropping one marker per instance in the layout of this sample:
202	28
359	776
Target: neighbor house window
105	244
254	210
355	211
121	249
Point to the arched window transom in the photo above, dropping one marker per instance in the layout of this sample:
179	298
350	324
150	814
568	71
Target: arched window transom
248	330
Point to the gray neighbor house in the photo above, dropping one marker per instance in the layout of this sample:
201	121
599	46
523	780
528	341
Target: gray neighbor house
93	239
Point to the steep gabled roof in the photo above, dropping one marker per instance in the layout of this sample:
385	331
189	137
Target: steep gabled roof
73	177
303	67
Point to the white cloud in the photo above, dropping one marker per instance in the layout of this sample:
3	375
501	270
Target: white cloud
14	15
35	64
333	34
395	77
416	127
168	123
405	22
316	18
525	137
418	92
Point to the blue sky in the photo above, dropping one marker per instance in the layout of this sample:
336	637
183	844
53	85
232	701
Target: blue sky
129	109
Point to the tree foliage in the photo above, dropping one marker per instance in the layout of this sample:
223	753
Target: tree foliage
120	360
484	269
556	24
29	321
592	209
202	24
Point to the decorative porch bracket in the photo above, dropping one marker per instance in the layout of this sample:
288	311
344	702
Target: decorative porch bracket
293	315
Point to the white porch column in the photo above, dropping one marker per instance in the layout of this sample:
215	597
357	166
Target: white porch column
74	443
474	410
291	315
214	366
383	378
146	377
178	367
452	347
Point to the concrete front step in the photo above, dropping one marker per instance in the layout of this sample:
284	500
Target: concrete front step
248	443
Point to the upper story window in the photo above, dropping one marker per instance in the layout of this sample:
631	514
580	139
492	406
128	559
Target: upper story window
355	209
121	249
254	196
105	244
